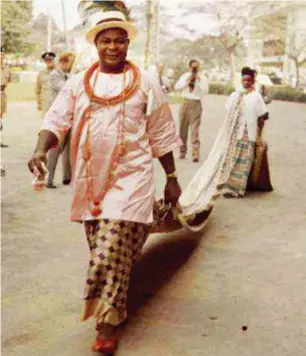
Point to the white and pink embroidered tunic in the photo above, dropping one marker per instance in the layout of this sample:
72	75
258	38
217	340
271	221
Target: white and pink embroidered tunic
146	137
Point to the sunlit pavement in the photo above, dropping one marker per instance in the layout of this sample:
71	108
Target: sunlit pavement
190	295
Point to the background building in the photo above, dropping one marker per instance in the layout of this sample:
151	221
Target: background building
277	40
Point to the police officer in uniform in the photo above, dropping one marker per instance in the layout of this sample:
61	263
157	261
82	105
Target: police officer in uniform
43	92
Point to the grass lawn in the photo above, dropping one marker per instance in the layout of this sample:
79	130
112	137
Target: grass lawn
21	92
26	92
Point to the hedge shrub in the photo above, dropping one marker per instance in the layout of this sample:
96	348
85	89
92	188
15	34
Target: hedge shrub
276	92
287	94
220	89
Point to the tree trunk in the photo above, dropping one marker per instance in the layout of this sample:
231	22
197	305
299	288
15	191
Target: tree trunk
233	67
65	24
157	16
149	33
297	72
49	33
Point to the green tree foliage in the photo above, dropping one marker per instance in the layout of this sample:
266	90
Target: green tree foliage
231	19
208	49
16	19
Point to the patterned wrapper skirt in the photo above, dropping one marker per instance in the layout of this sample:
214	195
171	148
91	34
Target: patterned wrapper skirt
114	246
244	158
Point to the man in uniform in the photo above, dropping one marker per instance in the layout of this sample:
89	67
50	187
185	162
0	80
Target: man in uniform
42	83
57	80
5	79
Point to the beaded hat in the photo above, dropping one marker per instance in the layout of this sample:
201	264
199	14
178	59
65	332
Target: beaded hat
105	15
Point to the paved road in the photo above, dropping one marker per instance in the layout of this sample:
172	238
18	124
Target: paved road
190	294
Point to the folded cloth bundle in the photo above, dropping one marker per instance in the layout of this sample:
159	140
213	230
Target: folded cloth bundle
168	219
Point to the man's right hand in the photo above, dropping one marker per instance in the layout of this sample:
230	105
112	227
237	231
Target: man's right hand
39	107
36	161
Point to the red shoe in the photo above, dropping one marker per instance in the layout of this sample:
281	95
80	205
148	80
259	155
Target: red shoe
107	347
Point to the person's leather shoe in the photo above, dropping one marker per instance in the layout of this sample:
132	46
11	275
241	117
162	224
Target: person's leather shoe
195	154
3	145
107	347
50	185
66	181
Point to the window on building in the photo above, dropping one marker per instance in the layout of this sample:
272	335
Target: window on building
273	48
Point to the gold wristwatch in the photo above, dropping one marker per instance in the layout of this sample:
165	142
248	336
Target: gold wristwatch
172	175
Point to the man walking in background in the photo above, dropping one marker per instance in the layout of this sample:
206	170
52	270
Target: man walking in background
193	88
42	83
57	80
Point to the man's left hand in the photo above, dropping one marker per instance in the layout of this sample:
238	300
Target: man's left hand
172	191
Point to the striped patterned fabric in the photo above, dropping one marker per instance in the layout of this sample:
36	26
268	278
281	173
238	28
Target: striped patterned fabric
244	157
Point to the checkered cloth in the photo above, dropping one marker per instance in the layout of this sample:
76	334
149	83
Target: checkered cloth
244	157
114	245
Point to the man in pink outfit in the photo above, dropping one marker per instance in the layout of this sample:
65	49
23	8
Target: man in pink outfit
120	120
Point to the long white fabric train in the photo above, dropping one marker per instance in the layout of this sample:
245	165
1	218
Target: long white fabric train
196	201
199	194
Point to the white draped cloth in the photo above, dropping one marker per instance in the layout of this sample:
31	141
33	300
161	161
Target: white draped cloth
203	188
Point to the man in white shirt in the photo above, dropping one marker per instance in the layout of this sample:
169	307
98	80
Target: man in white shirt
114	141
193	88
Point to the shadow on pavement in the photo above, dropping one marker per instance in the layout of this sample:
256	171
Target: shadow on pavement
162	258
